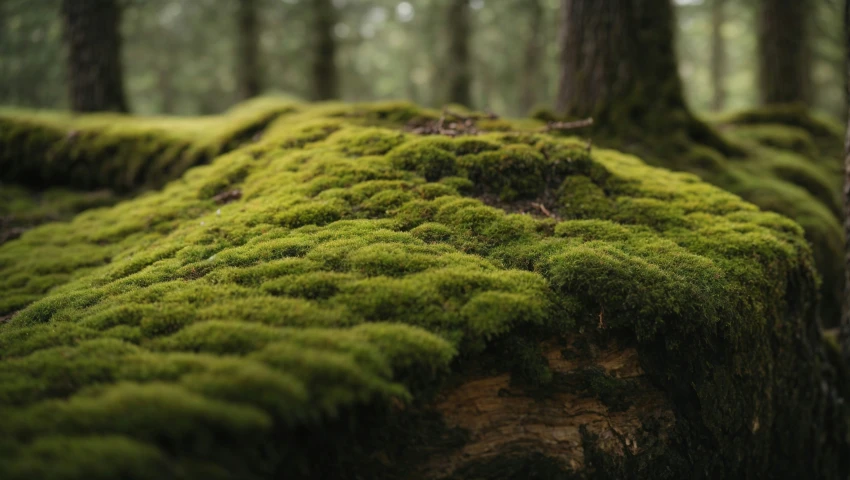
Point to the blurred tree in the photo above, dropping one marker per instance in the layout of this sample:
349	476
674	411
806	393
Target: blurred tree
95	74
845	313
534	51
784	51
458	61
618	64
718	55
325	77
249	38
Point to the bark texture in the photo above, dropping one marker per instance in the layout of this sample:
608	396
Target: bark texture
616	54
534	52
784	51
718	55
619	66
249	75
95	72
845	310
459	68
325	74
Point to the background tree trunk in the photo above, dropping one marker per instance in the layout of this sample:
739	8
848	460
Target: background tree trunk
618	63
95	71
459	69
845	310
784	51
325	75
718	55
249	39
534	51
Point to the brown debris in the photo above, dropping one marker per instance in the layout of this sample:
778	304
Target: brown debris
227	197
450	124
543	209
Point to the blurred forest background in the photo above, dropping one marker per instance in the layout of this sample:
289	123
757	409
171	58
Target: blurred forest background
183	57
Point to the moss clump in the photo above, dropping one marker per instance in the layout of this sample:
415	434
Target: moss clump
360	266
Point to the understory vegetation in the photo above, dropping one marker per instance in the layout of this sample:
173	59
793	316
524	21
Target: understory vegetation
322	270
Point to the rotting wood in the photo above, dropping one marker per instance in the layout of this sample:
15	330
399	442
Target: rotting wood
501	420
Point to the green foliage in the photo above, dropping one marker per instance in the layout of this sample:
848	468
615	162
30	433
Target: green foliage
359	267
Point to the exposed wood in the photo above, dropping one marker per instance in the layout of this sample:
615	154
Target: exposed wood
501	420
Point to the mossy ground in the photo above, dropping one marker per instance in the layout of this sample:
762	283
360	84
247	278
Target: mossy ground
172	336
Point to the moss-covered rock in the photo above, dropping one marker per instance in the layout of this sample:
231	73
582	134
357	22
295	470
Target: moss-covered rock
370	302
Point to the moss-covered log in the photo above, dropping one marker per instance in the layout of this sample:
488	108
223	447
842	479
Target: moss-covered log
122	153
375	303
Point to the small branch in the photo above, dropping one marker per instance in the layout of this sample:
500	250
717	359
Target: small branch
543	209
561	126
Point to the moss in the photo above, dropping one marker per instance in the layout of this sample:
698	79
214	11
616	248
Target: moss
780	158
359	268
118	152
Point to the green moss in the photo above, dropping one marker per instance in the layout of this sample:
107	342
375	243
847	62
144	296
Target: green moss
780	158
361	266
119	152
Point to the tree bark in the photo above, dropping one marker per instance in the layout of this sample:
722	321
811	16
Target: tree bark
618	64
718	55
534	51
459	68
249	74
845	310
784	52
95	73
325	74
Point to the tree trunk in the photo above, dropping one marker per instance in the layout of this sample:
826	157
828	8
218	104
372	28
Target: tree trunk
95	72
845	311
618	66
718	55
325	75
534	51
784	52
249	40
459	68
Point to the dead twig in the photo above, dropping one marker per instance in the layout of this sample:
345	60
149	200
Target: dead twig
543	209
562	126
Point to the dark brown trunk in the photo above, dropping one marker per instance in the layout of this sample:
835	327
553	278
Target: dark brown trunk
534	51
784	52
249	39
618	64
166	91
845	310
459	69
718	55
325	75
95	73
